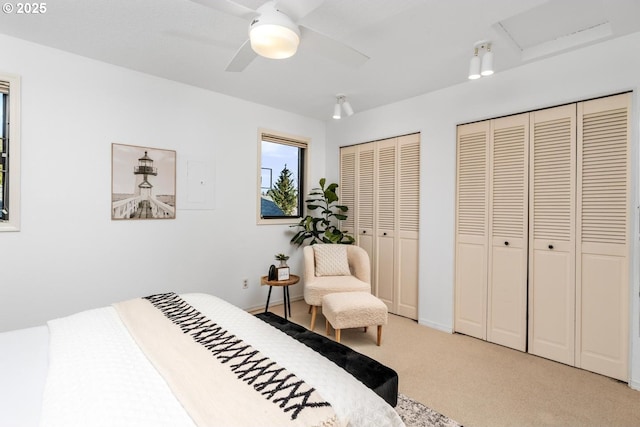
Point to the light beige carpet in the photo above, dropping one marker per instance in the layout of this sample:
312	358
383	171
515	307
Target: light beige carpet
477	383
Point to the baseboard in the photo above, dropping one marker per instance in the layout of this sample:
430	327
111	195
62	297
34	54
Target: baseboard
273	302
434	325
634	385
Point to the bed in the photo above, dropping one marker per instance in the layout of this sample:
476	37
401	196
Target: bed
178	360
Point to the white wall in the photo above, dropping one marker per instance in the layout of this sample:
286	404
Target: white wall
69	255
602	69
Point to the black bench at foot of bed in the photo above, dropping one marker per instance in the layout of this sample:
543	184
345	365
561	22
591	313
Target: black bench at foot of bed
379	378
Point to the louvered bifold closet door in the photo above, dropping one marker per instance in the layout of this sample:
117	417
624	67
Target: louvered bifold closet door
406	289
386	205
365	184
508	230
552	233
603	236
347	188
472	195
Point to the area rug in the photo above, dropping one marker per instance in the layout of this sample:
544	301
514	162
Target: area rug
415	414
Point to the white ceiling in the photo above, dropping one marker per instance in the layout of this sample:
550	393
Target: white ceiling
415	46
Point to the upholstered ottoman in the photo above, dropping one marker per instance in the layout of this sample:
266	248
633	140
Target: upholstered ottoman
354	310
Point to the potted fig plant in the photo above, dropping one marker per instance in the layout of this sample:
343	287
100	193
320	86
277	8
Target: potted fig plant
323	228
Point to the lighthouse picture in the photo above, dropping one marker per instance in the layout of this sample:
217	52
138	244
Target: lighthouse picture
143	182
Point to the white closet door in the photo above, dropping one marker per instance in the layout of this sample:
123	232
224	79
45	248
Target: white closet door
347	188
552	233
603	236
386	205
365	183
508	228
472	190
408	193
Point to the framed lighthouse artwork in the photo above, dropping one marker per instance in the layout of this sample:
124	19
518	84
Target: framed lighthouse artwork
143	182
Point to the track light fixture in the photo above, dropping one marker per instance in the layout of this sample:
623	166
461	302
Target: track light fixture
336	111
342	104
476	69
487	62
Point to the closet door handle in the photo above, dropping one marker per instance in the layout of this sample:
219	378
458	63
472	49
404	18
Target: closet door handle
550	246
384	234
506	243
364	231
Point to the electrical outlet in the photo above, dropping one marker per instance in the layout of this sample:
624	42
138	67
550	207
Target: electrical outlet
245	283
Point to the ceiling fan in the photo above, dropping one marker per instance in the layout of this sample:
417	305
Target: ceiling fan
275	32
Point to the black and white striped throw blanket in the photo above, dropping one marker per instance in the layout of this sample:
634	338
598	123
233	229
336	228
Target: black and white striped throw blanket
219	378
99	376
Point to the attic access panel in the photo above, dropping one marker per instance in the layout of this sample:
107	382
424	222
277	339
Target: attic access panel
555	26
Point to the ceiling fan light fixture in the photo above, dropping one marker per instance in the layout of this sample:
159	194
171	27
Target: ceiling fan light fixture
274	35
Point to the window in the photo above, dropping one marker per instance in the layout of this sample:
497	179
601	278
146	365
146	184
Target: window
282	175
9	153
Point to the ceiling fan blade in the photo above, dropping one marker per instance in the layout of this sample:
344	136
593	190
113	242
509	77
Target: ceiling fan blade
229	7
242	58
332	49
297	9
197	38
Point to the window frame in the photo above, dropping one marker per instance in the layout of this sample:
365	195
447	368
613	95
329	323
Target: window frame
285	139
13	159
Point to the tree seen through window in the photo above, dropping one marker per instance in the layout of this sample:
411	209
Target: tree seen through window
281	176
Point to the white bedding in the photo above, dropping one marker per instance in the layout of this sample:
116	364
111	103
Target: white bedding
91	384
23	370
99	377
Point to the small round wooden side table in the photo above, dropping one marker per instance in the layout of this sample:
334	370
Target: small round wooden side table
292	280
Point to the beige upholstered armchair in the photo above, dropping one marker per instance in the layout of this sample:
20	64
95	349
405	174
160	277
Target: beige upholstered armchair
331	268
